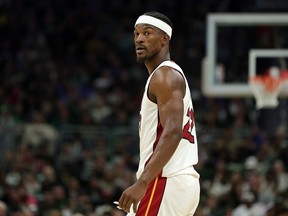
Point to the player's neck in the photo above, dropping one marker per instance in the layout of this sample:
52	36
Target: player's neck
155	62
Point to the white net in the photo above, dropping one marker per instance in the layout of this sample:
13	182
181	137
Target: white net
265	97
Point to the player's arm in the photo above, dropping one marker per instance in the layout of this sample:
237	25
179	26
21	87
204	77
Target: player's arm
167	89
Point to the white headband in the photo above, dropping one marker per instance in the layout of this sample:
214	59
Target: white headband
145	19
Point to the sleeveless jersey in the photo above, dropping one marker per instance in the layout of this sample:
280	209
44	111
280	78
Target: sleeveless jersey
150	130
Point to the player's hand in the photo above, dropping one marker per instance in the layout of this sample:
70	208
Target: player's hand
132	195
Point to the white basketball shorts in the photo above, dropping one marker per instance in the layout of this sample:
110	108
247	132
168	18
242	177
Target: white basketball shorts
174	196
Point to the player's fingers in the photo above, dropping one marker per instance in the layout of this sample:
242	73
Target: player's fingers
120	201
128	206
124	203
135	207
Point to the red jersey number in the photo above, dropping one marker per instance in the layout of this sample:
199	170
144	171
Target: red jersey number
187	130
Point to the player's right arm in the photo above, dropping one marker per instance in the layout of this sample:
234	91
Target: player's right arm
167	90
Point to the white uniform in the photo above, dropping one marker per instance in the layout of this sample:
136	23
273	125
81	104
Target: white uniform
176	191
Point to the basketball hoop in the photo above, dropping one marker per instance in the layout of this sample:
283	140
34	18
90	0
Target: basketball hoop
266	88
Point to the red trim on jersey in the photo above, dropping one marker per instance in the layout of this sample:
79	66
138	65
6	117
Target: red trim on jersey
150	203
158	135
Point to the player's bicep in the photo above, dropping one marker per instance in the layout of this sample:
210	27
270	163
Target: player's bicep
168	91
171	109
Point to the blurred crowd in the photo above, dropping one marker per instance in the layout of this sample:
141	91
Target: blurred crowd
72	62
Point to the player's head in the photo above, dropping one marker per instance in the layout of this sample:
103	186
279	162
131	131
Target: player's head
152	31
157	20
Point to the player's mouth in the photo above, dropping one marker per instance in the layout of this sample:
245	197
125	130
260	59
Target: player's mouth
139	49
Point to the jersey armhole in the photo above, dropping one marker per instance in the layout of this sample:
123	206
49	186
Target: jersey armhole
181	73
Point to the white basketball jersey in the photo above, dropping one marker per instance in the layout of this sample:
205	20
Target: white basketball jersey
150	130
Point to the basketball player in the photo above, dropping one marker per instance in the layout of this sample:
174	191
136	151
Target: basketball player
167	184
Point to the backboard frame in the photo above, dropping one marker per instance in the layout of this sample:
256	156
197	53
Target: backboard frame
209	86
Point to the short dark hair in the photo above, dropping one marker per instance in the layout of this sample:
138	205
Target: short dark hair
160	16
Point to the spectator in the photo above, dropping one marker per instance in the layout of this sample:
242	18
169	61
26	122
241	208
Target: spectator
249	206
3	209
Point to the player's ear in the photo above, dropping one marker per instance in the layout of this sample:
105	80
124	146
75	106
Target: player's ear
165	39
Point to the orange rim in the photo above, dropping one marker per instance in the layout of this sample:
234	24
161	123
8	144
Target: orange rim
271	83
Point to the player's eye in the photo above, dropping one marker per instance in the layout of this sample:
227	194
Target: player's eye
136	34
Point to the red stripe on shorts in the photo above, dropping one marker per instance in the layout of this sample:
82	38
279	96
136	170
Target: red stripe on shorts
150	204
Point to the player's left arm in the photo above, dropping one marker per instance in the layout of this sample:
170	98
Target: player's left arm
167	89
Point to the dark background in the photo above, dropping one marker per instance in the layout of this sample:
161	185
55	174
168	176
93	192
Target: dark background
70	92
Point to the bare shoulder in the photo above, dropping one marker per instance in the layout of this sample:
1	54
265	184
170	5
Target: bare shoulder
166	81
167	76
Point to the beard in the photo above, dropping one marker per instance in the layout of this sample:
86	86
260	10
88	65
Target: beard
142	59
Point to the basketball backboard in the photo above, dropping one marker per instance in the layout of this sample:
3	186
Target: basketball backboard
214	72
